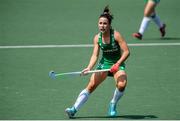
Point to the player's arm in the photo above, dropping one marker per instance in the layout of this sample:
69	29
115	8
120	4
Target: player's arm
94	56
124	50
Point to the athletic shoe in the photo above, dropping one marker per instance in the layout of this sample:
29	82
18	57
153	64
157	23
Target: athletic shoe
162	30
70	112
112	110
137	35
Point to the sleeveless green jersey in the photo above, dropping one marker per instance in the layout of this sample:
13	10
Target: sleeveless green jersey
111	52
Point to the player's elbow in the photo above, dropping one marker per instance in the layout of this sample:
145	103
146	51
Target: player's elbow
127	53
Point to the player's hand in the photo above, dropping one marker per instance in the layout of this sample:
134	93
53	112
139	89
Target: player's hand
85	71
114	68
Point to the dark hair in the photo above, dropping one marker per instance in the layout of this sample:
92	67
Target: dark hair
106	14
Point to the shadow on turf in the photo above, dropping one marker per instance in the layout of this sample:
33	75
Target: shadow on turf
164	38
121	117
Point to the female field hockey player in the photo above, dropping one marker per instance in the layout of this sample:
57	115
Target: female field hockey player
149	13
114	52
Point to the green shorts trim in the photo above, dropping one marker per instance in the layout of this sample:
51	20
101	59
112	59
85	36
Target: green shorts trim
101	66
155	1
122	67
108	64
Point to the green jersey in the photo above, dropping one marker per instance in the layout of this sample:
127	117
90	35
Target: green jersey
111	52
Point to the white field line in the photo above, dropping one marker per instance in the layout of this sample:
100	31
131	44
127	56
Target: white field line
84	45
45	46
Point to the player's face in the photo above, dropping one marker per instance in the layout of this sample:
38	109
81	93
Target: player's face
103	25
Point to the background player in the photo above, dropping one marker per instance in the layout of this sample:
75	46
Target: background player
149	13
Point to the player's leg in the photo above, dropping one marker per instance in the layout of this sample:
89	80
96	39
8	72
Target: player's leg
95	80
81	99
121	81
148	10
157	20
160	24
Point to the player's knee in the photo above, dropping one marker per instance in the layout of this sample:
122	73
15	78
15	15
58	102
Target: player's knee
121	85
147	14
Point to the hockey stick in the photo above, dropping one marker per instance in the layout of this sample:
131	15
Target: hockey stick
53	74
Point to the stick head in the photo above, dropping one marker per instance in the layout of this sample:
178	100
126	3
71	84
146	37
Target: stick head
52	74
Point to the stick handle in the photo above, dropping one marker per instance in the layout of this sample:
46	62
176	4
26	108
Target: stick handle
69	73
79	72
95	71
